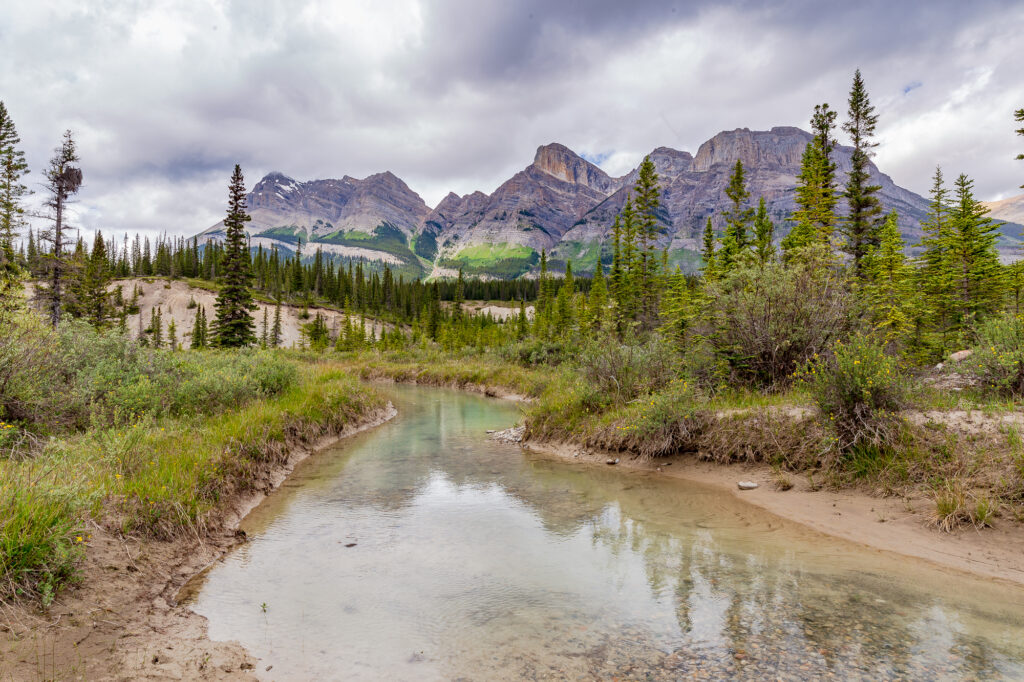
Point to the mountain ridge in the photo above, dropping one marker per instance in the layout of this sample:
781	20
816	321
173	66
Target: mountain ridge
560	202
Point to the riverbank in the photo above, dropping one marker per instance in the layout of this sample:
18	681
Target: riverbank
119	620
892	524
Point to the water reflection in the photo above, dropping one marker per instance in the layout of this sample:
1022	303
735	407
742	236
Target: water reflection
475	560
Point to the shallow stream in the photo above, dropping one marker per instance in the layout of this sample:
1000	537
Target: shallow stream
422	550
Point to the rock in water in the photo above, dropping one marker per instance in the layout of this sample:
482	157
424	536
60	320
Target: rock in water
612	461
746	485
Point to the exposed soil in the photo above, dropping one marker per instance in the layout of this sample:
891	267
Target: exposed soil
174	296
892	524
121	622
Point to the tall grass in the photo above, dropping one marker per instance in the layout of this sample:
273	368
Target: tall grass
161	477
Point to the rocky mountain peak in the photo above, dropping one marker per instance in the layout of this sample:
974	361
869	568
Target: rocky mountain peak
563	163
779	147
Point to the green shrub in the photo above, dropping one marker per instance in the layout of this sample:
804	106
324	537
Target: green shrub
669	421
860	389
625	371
998	357
765	322
531	352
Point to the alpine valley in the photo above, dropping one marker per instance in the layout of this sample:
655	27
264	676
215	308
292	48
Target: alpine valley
560	203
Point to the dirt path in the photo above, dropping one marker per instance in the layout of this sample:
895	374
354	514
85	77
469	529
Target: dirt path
891	524
122	622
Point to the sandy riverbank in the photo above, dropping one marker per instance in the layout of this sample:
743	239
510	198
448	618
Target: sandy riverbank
890	524
121	622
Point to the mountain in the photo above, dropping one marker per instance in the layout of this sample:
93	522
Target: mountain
1010	210
561	203
374	219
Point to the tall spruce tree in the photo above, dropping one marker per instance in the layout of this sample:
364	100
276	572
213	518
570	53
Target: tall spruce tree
646	202
889	291
12	169
63	180
93	298
234	325
860	228
275	331
737	220
764	234
977	276
708	254
934	271
815	217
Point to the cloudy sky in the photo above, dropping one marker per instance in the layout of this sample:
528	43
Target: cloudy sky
165	96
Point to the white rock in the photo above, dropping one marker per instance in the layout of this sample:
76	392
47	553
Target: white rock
960	355
746	485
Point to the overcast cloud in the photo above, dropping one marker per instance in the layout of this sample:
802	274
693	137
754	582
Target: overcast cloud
164	97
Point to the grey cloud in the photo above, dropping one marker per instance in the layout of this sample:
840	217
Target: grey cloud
165	97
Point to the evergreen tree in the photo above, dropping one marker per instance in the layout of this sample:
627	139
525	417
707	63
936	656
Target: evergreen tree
977	276
265	334
646	202
63	180
156	327
172	335
597	305
815	218
12	169
708	254
934	273
234	325
678	310
93	299
737	220
889	283
764	233
199	329
860	227
522	322
275	331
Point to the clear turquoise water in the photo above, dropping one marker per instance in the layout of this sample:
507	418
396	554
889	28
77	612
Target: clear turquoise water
476	560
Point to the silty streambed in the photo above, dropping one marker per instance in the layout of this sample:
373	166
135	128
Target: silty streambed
423	550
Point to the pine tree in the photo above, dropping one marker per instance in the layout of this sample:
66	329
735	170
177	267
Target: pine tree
522	322
737	220
978	277
12	169
678	310
93	298
764	233
265	334
860	227
199	329
156	327
934	273
234	325
815	218
172	335
708	254
563	302
275	331
889	283
646	202
63	180
597	305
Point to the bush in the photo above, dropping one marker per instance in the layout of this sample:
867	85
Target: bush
63	380
860	389
998	357
672	420
765	322
531	352
624	371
